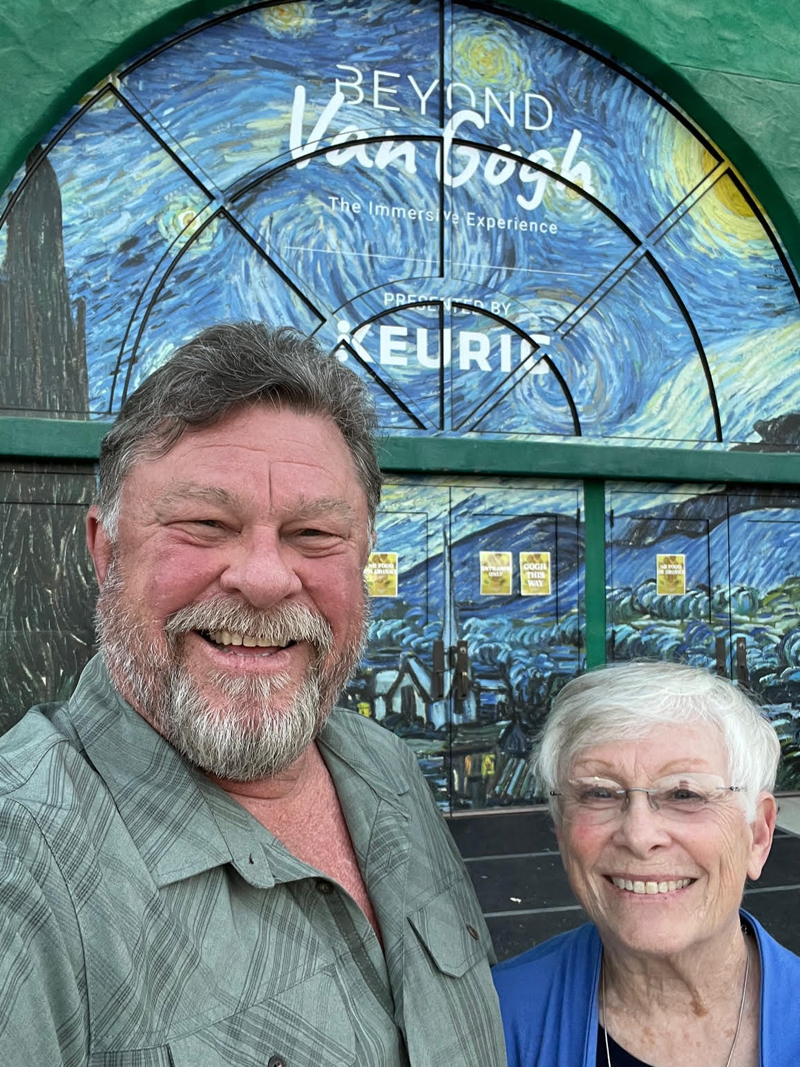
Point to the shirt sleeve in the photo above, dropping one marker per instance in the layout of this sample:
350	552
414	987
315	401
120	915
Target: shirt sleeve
43	1002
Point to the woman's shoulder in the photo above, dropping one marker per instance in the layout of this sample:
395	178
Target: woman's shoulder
547	999
780	979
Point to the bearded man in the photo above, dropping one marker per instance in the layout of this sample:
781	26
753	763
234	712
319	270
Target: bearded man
202	861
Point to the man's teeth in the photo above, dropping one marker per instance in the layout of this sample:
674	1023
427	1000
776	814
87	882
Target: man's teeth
225	637
651	887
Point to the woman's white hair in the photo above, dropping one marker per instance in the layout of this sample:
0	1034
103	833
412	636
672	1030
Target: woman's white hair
624	702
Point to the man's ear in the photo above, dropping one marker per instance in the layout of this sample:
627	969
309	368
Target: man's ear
762	829
99	544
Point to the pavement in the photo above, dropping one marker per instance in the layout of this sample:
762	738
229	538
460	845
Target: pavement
513	859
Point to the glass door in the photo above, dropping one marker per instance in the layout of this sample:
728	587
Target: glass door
477	620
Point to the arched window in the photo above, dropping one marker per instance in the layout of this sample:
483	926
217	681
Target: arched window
503	230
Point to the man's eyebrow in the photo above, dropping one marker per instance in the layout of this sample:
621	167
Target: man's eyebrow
304	509
192	492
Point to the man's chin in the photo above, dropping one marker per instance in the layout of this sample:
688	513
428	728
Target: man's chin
247	759
243	736
241	725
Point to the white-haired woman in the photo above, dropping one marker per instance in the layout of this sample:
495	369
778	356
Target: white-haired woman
660	778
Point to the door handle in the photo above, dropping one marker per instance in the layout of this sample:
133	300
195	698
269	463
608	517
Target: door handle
437	681
719	657
461	681
456	660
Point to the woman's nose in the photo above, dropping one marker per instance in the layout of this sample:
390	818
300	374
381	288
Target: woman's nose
641	826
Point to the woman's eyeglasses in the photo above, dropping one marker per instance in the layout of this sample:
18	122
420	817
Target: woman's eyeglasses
677	796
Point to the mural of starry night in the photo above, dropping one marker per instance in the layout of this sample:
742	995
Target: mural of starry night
580	258
507	235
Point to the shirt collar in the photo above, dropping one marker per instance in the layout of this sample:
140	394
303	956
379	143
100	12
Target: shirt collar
179	821
375	769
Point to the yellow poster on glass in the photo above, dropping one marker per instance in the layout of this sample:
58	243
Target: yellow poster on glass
381	574
495	574
534	573
670	575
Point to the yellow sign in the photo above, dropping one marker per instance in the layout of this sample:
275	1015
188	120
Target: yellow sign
670	575
495	573
534	573
380	574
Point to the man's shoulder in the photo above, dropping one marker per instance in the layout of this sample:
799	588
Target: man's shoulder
48	793
367	736
389	766
49	789
29	749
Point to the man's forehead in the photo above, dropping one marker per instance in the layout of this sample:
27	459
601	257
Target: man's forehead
255	459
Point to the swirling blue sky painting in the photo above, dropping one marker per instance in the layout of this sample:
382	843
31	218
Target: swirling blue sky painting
501	229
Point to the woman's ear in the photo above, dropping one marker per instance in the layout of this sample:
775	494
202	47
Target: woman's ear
763	827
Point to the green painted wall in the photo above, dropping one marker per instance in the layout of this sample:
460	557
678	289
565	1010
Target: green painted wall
734	67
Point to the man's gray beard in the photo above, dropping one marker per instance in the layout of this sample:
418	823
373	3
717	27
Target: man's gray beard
241	737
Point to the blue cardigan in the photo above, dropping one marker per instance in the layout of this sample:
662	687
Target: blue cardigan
548	997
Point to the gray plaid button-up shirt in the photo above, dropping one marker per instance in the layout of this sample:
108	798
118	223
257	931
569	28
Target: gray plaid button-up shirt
148	920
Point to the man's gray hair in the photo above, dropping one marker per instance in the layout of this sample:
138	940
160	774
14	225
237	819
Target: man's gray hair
230	366
624	702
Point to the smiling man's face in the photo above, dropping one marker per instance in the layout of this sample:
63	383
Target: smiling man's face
232	606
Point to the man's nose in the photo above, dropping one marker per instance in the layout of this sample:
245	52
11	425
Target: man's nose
640	827
261	569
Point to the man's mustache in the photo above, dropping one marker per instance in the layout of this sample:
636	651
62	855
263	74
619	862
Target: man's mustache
279	626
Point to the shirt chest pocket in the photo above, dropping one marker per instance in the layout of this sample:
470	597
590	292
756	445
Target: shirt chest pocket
451	929
307	1025
450	1010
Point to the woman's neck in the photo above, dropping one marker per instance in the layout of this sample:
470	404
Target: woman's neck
692	982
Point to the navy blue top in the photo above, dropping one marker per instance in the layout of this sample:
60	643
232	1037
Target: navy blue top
620	1057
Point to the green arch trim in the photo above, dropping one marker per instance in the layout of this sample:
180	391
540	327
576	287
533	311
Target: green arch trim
732	68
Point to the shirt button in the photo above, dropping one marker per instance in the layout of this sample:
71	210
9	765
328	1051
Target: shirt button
276	1061
324	887
473	933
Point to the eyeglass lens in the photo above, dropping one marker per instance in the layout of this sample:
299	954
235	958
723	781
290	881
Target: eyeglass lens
676	796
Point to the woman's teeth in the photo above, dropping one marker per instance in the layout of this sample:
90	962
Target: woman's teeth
651	887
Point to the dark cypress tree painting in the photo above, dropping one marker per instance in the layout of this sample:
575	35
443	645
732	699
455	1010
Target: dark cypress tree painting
46	596
42	344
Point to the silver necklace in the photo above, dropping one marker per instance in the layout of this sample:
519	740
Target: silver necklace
738	1021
